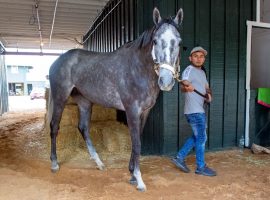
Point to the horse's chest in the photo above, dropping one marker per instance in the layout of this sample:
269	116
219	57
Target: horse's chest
149	102
148	98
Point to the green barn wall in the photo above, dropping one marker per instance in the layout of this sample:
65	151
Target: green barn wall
220	27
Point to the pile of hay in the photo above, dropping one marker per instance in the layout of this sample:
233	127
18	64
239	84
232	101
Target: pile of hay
110	137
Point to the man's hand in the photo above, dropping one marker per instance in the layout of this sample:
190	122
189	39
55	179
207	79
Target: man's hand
209	95
209	98
186	86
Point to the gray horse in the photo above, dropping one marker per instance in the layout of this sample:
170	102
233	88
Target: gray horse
127	79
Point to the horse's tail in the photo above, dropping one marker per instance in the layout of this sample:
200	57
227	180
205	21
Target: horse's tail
49	106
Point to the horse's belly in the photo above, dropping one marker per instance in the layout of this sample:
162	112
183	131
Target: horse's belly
109	99
111	103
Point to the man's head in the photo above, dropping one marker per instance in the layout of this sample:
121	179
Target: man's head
197	56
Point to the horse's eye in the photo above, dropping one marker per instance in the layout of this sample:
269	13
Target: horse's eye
155	42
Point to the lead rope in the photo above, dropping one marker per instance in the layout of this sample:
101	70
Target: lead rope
196	91
176	76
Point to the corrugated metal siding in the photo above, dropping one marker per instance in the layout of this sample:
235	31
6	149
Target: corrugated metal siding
113	28
219	26
3	87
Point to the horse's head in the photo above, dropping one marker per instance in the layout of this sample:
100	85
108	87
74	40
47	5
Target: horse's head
166	48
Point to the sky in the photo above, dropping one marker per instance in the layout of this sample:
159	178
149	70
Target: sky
41	64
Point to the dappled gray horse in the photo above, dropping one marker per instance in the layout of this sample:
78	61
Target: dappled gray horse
127	79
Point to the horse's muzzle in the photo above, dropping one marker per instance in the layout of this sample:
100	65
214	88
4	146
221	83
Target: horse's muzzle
166	83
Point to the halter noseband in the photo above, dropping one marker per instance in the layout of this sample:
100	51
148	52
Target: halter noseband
174	71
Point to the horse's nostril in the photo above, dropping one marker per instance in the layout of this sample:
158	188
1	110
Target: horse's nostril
161	81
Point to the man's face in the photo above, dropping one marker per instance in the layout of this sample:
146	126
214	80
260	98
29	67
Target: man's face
197	59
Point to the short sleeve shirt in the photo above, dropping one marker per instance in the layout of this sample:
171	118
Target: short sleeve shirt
194	103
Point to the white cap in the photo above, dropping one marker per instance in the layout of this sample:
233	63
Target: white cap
200	49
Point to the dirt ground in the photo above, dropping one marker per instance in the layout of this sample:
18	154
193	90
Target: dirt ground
25	171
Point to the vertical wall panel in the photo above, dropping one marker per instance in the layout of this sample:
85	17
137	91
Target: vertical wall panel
140	18
132	20
231	72
119	25
103	39
217	72
127	18
111	29
98	39
108	28
94	41
122	14
114	28
105	43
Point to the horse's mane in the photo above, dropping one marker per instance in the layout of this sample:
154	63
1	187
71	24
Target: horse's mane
168	21
146	37
143	40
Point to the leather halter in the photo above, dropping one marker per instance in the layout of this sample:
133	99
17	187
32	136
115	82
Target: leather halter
174	70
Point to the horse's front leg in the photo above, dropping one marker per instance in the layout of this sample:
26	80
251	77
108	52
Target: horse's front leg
85	109
143	119
134	124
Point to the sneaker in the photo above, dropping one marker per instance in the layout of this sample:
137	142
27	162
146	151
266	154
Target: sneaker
181	164
205	171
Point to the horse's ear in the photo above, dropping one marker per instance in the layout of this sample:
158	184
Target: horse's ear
156	16
179	17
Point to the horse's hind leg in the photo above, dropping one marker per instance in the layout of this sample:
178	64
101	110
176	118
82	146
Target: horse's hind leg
54	125
85	108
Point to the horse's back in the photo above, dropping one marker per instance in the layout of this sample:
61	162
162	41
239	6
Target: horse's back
68	59
68	63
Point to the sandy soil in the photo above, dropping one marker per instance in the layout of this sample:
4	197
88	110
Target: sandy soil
25	171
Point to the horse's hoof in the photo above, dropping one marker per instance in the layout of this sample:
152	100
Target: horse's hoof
133	181
54	168
141	189
101	167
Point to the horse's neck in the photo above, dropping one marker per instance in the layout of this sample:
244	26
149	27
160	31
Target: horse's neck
147	59
148	65
139	57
